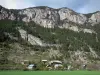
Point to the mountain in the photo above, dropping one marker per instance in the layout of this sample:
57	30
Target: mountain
42	32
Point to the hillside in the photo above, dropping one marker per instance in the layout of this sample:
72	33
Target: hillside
40	33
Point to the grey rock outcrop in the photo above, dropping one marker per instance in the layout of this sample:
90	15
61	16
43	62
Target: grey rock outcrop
6	14
46	17
49	17
95	18
72	16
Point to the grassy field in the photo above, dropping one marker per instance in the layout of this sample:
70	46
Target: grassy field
49	72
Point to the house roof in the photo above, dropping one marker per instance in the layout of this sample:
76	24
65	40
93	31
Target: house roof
44	60
56	61
31	65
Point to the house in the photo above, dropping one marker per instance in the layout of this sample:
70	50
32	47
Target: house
31	67
55	64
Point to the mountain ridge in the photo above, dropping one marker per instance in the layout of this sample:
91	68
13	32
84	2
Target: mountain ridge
51	15
40	33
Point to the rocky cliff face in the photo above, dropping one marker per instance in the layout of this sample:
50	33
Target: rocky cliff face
95	18
67	14
49	17
45	16
6	14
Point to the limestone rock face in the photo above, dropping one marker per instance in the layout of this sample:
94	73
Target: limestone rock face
95	18
70	15
31	39
3	14
46	17
6	14
49	17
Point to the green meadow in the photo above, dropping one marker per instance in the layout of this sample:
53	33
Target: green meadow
49	72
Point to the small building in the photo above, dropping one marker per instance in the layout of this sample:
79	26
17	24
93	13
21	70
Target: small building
55	64
31	66
44	61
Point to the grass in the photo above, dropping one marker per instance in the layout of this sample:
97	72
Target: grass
49	72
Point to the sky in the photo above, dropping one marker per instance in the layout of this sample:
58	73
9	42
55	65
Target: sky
80	6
